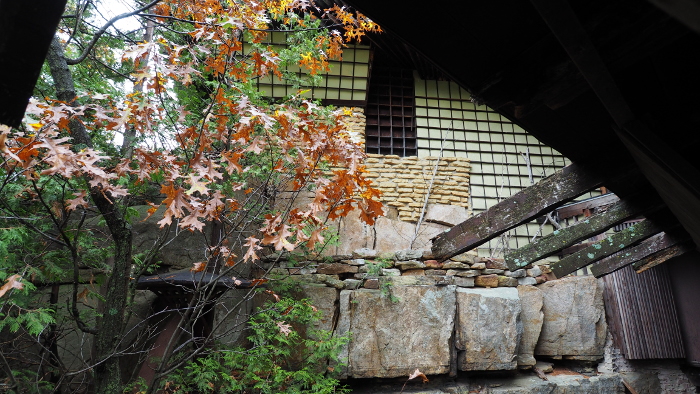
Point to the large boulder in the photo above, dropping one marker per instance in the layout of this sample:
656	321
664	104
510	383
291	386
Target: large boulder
488	329
448	215
392	336
354	234
531	301
574	319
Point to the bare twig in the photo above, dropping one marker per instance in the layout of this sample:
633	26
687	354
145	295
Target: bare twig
104	28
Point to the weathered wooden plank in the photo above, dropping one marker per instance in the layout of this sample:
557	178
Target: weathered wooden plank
577	208
661	257
626	257
604	248
520	208
565	237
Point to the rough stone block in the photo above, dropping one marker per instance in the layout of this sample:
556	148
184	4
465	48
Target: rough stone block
364	253
408	254
464	273
498	264
532	317
489	271
409	265
486	281
409	280
414	272
432	264
534	271
371	283
504	281
391	272
488	329
392	339
352	284
574	318
448	215
435	272
545	268
515	274
336	269
455	265
463	282
466	257
528	281
479	266
394	235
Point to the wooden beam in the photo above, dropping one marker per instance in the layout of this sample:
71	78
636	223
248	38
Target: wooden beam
524	206
604	248
685	11
629	256
566	27
661	257
563	238
577	208
675	179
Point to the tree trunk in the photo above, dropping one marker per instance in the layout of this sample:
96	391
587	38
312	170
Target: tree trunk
110	327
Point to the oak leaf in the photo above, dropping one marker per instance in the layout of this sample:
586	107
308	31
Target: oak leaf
13	282
285	329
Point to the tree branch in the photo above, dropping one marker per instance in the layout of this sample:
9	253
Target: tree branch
104	28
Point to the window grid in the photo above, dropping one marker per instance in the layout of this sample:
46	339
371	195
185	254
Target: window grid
390	113
345	84
448	120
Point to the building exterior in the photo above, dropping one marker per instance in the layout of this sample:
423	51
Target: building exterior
429	143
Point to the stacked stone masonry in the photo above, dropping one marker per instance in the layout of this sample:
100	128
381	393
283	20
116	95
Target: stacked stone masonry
366	268
407	311
406	181
355	121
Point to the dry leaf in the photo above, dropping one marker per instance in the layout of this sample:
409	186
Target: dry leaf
285	329
11	283
418	374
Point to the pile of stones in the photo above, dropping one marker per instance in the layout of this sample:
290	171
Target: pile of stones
368	269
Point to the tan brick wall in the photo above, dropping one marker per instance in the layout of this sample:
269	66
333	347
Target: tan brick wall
405	181
355	122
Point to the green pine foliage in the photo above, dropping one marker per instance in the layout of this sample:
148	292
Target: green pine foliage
281	358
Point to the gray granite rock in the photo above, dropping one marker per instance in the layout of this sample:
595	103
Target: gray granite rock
409	265
408	254
449	215
532	317
574	318
534	271
463	282
364	253
393	338
516	274
488	329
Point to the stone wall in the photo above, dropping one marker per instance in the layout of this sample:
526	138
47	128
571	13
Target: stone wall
405	182
647	376
406	312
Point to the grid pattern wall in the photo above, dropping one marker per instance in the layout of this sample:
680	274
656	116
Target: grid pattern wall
390	113
449	124
347	80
